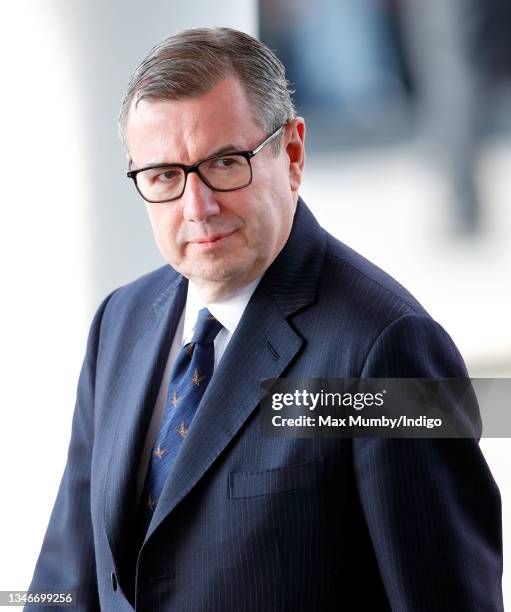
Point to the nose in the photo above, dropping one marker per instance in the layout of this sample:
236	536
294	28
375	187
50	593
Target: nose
199	201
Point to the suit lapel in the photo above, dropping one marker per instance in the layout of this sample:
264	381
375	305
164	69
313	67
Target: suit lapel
135	401
262	346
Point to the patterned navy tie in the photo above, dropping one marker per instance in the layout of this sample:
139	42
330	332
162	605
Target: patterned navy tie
190	377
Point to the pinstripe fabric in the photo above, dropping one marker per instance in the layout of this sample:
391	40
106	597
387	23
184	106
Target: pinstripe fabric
248	523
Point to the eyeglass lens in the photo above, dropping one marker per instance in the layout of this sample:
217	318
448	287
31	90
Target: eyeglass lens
225	173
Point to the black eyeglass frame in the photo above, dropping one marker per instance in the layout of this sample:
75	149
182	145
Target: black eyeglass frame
132	174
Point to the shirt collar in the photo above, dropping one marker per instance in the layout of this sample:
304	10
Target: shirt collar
228	311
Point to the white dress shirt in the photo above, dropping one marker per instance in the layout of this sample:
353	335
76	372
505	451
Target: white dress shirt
229	313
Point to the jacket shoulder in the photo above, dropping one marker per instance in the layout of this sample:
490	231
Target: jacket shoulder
366	283
132	304
144	290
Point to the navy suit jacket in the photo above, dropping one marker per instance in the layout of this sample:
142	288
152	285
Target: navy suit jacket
260	524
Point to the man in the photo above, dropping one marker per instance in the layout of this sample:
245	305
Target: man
172	499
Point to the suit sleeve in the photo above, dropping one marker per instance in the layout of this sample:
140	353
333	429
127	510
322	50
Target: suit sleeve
66	560
431	505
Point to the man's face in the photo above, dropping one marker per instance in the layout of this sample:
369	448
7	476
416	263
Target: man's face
220	240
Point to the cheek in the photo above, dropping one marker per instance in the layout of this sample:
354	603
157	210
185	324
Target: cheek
261	231
165	228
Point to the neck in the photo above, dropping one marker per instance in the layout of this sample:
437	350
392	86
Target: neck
212	292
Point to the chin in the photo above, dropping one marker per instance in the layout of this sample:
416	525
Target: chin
218	271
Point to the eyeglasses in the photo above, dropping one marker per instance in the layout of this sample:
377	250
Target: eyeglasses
226	172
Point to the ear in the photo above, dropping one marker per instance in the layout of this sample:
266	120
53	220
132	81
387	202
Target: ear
295	150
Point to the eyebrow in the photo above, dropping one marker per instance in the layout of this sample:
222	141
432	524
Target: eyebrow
230	148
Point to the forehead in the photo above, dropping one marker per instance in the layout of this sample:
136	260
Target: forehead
189	129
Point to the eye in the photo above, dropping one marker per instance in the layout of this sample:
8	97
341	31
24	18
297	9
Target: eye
224	163
166	176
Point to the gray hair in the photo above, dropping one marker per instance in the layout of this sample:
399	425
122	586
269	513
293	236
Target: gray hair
192	62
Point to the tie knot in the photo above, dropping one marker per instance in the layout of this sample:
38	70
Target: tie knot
206	328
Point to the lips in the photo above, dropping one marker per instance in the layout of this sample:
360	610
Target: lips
211	239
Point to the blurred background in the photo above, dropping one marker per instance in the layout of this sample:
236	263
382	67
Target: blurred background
408	112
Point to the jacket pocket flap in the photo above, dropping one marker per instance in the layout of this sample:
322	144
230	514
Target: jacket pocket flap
276	480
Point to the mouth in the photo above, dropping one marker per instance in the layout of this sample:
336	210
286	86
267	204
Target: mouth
209	242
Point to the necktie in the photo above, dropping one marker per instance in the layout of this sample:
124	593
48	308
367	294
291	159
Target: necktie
190	377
